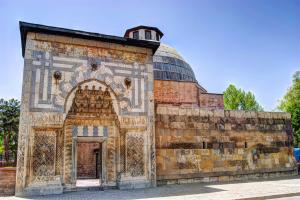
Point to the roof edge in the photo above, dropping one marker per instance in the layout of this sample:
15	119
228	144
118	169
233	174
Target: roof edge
26	27
212	93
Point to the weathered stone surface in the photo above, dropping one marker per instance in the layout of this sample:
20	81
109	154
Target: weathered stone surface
186	94
216	143
175	92
7	181
212	101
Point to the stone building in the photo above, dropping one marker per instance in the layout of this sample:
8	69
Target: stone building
129	113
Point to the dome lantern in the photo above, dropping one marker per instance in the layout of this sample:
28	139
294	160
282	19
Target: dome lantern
144	33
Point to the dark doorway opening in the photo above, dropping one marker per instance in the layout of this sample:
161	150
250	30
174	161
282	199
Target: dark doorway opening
89	164
98	155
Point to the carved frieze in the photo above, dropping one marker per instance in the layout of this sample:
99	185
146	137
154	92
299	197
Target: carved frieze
94	102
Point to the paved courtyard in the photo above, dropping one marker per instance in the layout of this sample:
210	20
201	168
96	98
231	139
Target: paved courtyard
273	189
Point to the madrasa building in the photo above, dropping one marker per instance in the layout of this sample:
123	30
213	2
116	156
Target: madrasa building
127	112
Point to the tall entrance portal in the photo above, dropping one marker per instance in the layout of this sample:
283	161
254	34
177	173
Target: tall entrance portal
94	128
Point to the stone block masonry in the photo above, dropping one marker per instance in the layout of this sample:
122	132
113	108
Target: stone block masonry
212	101
218	145
7	181
175	92
185	93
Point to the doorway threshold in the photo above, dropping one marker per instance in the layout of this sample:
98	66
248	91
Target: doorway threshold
88	184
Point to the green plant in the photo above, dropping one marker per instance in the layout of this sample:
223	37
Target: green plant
291	103
238	99
9	126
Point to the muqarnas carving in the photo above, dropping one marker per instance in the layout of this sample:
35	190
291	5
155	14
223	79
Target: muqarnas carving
91	102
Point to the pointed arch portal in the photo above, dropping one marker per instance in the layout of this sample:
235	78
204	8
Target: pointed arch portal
91	124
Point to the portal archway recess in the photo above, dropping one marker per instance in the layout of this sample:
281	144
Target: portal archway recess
91	117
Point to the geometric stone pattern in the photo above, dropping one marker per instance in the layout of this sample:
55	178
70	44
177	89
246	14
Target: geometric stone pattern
90	131
111	164
197	143
59	153
43	160
135	155
46	95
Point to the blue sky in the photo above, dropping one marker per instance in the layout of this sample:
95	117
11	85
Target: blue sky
254	44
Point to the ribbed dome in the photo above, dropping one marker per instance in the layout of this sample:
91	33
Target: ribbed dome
169	65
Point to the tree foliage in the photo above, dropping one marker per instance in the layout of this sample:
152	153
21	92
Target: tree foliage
291	103
9	126
1	145
238	99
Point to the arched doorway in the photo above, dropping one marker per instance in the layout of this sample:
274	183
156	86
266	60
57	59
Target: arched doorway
91	133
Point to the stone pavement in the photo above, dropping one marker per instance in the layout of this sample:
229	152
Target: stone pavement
272	189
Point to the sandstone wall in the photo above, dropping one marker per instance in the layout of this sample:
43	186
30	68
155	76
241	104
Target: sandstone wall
185	93
175	92
7	181
204	145
211	101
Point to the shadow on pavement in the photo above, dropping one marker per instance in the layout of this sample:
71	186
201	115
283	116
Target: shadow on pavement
163	191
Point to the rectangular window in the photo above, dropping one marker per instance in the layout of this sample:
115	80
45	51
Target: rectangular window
157	36
136	35
148	35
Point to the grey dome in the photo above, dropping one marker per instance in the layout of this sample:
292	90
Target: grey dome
169	65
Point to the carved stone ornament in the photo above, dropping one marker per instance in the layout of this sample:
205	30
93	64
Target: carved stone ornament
92	102
127	82
57	76
94	66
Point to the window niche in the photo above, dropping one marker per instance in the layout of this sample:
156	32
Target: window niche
135	35
157	37
147	35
